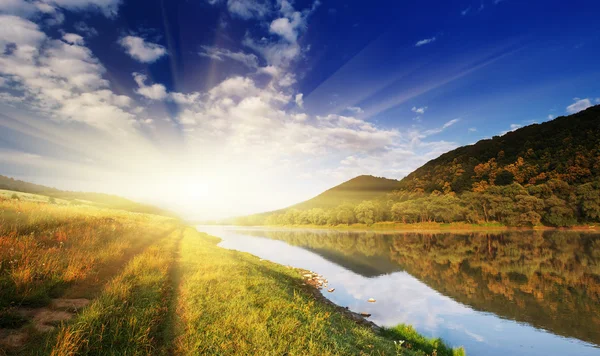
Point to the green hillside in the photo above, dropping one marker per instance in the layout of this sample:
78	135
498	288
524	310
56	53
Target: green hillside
30	191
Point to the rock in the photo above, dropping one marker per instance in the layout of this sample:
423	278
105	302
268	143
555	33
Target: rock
331	290
371	300
366	315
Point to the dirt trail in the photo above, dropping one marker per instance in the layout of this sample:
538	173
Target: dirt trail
173	321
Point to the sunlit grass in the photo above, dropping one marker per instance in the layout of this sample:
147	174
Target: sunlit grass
157	287
46	247
232	303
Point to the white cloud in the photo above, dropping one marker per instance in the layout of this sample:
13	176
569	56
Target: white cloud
597	100
439	129
108	7
287	80
73	38
550	117
152	92
247	9
425	41
59	78
84	29
579	105
287	28
466	11
420	110
355	109
472	129
450	123
299	100
141	50
513	127
249	60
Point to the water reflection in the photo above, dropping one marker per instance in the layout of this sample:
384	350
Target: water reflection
517	293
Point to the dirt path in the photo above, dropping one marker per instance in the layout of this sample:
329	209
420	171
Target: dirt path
173	324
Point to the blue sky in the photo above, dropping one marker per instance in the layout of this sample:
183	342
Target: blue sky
224	107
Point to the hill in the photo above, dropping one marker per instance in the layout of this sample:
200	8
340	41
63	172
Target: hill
542	174
40	192
566	148
355	190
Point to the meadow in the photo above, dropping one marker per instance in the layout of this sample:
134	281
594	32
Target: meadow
80	280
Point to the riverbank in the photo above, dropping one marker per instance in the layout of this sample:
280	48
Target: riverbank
428	227
82	280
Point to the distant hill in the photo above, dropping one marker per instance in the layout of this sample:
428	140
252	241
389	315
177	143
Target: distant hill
566	148
96	199
355	190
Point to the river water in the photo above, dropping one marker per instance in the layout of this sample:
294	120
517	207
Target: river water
508	293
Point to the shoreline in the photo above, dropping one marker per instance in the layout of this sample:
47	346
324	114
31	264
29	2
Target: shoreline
387	227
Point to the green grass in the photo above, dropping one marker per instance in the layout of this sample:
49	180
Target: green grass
131	313
232	303
158	287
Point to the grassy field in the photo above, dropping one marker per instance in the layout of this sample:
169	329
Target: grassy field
78	280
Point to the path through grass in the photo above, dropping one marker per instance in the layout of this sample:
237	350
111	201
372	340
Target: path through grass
157	287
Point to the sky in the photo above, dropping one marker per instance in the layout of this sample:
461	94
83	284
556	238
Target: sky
216	108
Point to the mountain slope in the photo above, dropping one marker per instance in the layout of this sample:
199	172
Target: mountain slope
566	148
355	190
96	199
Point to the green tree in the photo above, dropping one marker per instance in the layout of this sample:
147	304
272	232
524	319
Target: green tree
365	212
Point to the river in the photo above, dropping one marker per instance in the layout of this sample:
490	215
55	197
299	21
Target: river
502	293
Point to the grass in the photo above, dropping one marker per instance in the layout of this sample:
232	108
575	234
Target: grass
158	287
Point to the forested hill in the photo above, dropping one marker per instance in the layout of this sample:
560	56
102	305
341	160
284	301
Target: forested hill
542	174
96	199
353	191
566	148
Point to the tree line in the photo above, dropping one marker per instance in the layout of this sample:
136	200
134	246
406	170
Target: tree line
553	203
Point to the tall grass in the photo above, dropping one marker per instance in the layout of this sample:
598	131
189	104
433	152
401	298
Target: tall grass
44	248
159	288
130	315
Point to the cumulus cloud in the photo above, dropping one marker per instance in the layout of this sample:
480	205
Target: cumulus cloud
247	9
425	41
61	78
152	92
249	60
299	100
141	50
579	105
420	110
25	8
73	38
288	26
